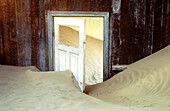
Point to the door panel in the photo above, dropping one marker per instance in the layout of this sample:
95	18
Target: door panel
61	60
70	55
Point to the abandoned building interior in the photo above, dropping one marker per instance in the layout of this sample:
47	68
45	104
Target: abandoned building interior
84	55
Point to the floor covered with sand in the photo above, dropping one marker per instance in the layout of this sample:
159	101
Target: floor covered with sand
143	86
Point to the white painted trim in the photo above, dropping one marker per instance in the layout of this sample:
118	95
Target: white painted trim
105	15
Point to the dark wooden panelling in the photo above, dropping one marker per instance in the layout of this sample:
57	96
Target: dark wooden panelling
47	7
93	5
149	26
69	5
115	35
1	35
85	5
5	37
54	5
12	33
27	31
124	32
165	19
140	28
77	5
34	35
19	32
157	26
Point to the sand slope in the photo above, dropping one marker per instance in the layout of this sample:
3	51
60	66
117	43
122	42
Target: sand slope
145	84
26	89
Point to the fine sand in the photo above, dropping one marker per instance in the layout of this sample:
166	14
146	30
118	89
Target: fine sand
143	86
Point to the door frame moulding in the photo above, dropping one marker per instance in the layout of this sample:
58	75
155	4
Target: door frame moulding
50	26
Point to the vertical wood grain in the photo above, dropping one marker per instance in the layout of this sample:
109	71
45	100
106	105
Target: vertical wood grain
165	24
77	5
115	35
1	35
5	37
27	31
149	26
34	35
41	34
157	26
12	33
70	5
19	32
124	32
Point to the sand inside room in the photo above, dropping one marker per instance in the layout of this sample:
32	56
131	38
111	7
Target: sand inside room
143	86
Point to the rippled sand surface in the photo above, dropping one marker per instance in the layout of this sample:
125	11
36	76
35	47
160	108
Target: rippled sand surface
143	86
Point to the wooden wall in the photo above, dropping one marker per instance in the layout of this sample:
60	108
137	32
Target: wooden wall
140	28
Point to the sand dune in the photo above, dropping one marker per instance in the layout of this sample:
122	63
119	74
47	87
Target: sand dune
143	86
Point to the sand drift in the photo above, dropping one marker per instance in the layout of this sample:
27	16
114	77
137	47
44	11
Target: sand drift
143	86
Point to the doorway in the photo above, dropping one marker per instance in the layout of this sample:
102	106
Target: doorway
69	35
99	74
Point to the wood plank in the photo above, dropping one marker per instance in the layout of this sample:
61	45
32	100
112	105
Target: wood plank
62	5
54	5
165	19
12	34
6	39
70	5
1	35
77	5
149	26
92	5
47	7
116	41
34	35
140	13
19	32
124	32
85	5
42	42
132	37
101	5
27	31
157	26
107	5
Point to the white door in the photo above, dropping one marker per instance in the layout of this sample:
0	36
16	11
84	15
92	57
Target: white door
67	56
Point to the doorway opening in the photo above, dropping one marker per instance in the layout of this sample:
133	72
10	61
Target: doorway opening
92	50
69	35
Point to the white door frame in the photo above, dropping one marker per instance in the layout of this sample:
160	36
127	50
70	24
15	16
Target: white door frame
50	24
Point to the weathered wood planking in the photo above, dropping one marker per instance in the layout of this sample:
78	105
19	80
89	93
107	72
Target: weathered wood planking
157	26
12	33
140	28
19	32
5	37
167	21
41	34
166	25
149	26
1	35
115	35
124	32
34	33
27	31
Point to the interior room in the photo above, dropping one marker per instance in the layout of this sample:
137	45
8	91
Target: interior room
84	55
69	35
